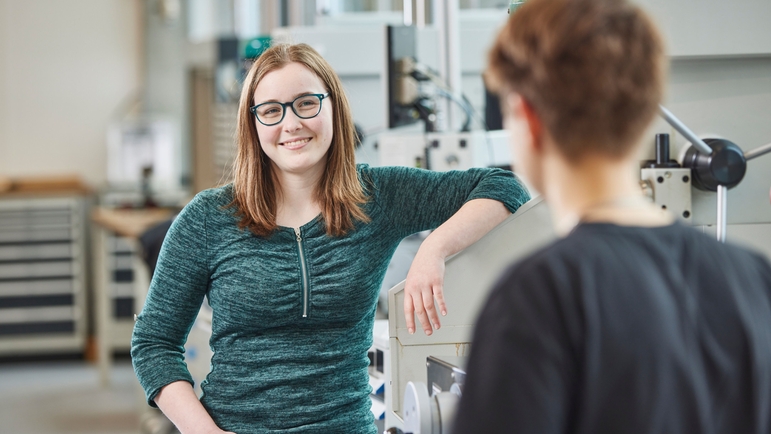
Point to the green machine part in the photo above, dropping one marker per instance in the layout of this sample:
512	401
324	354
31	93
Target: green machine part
252	48
514	4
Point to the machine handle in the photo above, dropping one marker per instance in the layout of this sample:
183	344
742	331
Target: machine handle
757	152
685	131
722	207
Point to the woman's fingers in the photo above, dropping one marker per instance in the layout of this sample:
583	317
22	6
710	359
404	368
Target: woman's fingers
409	312
439	296
420	312
421	305
430	308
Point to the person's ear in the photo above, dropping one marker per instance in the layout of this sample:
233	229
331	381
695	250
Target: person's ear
533	122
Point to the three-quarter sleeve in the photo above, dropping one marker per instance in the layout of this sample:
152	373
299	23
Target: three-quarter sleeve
176	292
416	200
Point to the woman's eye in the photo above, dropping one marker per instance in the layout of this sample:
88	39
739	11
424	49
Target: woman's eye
271	111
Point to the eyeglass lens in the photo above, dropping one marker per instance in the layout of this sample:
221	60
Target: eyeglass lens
304	107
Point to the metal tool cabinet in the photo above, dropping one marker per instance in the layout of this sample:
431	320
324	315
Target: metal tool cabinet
42	275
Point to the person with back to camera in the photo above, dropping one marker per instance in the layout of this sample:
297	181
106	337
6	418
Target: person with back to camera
631	322
291	256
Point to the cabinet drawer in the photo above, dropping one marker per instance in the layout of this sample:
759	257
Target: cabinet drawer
36	217
32	270
19	251
21	234
36	287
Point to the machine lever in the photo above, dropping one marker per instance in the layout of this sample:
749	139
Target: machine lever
685	131
757	152
722	207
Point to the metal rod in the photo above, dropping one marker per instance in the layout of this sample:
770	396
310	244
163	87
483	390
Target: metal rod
757	152
420	13
722	206
407	12
685	131
454	75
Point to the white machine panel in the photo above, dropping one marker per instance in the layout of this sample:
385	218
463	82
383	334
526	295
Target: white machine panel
525	231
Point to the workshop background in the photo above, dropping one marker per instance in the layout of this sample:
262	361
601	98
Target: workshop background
114	113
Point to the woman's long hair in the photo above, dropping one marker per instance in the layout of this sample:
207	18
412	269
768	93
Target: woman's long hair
339	193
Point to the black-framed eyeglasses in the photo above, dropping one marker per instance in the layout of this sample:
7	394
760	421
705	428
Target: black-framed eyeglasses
304	106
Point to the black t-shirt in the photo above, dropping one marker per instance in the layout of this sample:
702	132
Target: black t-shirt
624	330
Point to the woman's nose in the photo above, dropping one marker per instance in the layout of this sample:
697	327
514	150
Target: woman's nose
291	122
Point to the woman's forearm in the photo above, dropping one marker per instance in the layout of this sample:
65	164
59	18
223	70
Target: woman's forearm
472	221
425	280
180	404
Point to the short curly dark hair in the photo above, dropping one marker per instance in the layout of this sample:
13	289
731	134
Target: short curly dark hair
592	70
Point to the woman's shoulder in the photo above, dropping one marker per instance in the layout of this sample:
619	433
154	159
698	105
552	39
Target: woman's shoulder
218	195
211	199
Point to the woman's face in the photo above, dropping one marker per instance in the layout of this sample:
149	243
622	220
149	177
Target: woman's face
295	145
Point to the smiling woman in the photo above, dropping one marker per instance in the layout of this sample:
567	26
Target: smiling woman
291	257
286	73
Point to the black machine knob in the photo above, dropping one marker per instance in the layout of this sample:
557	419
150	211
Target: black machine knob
662	154
726	165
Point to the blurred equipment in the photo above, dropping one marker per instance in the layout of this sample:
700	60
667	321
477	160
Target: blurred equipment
379	371
144	163
714	165
402	88
666	183
433	410
413	89
445	151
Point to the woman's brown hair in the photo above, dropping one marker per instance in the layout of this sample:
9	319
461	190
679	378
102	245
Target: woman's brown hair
255	185
593	71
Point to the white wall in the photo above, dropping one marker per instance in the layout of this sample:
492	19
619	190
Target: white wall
65	68
3	67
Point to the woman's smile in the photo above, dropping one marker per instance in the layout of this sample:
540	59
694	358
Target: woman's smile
295	144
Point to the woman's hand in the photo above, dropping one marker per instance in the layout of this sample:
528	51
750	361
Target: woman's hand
426	276
180	404
423	285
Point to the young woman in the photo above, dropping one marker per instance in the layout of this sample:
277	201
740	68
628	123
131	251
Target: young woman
291	256
631	323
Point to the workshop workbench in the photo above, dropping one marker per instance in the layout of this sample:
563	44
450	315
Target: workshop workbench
126	225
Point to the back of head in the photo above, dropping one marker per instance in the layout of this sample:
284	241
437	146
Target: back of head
592	70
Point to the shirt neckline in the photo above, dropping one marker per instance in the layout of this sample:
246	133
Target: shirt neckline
304	227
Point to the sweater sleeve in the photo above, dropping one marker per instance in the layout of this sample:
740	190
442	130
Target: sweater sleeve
416	200
176	292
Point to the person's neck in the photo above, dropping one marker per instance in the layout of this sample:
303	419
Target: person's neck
598	189
297	201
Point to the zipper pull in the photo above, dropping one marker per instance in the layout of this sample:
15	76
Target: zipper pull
297	232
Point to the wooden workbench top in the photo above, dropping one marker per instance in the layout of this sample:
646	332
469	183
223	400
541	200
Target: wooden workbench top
130	222
49	186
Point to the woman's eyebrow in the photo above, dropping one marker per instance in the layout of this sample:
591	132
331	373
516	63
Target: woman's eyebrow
293	97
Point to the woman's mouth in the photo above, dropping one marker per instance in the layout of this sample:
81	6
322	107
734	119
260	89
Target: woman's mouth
296	144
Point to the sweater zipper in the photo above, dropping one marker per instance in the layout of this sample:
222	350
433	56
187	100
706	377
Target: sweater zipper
304	271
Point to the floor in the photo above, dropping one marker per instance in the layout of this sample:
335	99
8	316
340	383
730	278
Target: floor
64	396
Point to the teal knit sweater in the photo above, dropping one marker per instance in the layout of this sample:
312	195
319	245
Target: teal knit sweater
292	313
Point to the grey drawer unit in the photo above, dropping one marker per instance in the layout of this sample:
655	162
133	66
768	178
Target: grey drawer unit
42	275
